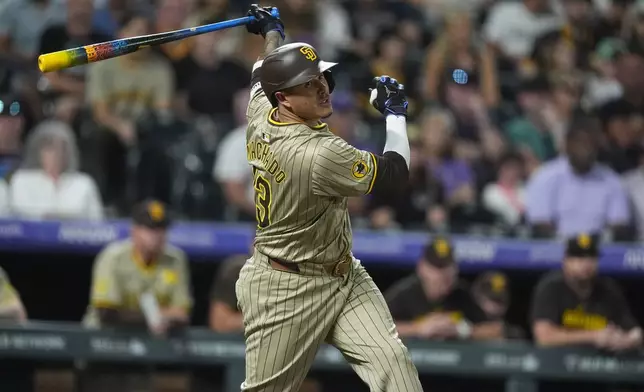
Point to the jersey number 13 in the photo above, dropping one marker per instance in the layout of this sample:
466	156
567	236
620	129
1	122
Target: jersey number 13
263	199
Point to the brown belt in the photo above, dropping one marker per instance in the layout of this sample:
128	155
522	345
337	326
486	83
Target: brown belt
337	269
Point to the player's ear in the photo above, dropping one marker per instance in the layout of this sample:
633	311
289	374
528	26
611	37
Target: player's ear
281	98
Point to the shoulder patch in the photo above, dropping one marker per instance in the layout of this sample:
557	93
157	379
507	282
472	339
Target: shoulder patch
169	276
360	169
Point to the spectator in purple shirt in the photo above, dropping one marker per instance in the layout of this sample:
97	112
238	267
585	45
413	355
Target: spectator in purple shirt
452	174
574	194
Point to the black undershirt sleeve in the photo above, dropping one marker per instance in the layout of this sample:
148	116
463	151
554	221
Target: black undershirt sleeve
254	77
392	178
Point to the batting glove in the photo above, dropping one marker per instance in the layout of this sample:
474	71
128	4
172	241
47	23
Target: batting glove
264	21
388	96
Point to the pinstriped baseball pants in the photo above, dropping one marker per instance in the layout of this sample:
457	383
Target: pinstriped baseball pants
287	316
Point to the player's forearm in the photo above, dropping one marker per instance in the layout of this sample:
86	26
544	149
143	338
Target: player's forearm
556	336
397	140
272	41
224	317
229	324
407	329
12	312
488	331
176	317
635	337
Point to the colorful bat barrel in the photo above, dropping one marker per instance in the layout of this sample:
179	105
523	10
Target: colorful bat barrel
105	50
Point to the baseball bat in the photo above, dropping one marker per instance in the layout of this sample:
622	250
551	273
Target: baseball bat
69	58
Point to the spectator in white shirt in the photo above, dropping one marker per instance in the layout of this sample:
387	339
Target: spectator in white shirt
4	199
513	26
232	171
506	197
334	28
48	184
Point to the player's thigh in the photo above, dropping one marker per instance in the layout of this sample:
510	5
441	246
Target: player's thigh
366	334
286	318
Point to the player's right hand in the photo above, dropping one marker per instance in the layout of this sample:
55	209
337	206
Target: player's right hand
264	22
388	96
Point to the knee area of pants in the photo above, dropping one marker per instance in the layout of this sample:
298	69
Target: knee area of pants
396	354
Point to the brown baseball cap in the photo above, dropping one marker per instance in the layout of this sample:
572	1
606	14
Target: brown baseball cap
492	285
152	214
438	252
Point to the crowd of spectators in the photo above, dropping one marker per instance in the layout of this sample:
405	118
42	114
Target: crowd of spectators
526	116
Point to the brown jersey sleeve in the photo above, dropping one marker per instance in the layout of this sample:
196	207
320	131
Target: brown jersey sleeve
181	297
340	169
8	294
105	290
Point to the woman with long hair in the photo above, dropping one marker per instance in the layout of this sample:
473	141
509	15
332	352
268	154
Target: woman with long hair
48	184
457	48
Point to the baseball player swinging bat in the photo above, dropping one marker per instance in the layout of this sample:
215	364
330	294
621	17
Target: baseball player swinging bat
68	58
302	287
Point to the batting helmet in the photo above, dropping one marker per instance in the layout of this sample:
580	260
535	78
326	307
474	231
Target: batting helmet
291	65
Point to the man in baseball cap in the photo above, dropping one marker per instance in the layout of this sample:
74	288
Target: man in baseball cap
148	262
135	281
491	291
150	221
576	306
433	304
152	214
492	294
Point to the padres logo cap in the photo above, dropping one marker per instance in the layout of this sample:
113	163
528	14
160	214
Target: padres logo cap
583	245
438	252
492	285
152	214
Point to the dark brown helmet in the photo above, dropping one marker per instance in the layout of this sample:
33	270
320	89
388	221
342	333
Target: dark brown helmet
291	65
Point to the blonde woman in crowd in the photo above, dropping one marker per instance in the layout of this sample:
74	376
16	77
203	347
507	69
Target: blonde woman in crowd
457	48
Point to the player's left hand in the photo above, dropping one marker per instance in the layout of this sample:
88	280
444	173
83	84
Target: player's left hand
388	96
621	341
264	22
437	326
160	329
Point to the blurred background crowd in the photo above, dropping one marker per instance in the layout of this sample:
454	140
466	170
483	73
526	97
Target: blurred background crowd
495	87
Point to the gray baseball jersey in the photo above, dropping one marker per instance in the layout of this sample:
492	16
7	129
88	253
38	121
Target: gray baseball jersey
8	295
120	278
302	177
